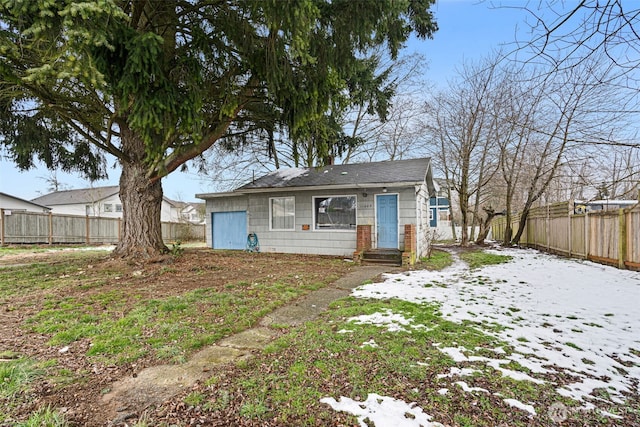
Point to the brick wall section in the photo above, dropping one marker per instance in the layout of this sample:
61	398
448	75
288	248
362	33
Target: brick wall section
410	245
363	241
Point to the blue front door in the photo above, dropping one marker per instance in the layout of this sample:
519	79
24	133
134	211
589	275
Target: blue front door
229	230
387	220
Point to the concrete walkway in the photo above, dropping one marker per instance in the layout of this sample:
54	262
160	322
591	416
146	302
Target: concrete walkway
131	396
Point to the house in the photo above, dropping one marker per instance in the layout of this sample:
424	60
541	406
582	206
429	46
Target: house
327	210
99	202
584	206
192	212
440	207
11	203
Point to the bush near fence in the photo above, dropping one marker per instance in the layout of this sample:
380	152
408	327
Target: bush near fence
608	237
31	227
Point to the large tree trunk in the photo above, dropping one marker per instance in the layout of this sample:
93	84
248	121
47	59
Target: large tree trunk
141	204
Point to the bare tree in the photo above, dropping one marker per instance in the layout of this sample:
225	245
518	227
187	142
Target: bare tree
458	122
566	34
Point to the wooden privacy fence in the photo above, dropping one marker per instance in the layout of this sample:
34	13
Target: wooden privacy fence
31	227
609	237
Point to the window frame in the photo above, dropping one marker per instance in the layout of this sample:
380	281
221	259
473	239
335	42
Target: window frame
334	230
293	225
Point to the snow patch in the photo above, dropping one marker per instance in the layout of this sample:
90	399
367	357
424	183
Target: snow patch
382	411
517	404
465	387
392	321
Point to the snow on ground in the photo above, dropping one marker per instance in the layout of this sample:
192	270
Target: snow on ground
563	315
383	411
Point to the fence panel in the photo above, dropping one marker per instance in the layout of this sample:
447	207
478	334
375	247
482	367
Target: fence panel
632	260
104	230
25	227
559	232
610	237
578	235
68	229
603	237
38	228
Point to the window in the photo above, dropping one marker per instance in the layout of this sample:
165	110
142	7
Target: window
334	213
282	213
118	207
108	207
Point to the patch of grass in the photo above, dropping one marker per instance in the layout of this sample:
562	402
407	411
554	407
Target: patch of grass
170	328
16	377
572	345
438	260
45	417
194	399
61	271
477	259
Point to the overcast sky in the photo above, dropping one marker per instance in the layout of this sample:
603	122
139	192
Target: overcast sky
469	30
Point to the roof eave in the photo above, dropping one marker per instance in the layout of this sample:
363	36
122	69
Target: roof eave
328	187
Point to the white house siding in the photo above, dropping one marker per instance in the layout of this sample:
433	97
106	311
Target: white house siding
11	203
169	212
97	208
422	220
111	207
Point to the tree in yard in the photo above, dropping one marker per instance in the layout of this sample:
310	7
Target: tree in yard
459	122
158	83
371	122
568	115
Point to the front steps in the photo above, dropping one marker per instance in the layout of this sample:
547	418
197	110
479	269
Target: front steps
382	257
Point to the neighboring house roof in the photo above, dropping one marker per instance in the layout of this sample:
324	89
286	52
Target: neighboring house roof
74	197
375	174
24	201
85	196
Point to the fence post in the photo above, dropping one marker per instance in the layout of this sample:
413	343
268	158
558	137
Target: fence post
548	231
570	233
50	227
622	238
1	226
587	239
86	228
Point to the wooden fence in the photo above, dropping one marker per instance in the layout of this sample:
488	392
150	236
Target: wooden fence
30	227
608	237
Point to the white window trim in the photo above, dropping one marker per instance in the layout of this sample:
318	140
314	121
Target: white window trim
271	199
325	230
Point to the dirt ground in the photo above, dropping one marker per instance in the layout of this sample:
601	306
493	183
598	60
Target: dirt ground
81	401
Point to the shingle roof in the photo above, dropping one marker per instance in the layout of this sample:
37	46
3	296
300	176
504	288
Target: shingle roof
398	171
69	197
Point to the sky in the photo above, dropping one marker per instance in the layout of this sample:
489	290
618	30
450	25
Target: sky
469	30
581	320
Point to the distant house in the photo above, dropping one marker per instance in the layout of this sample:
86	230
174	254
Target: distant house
440	207
99	202
192	212
319	210
15	204
586	206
